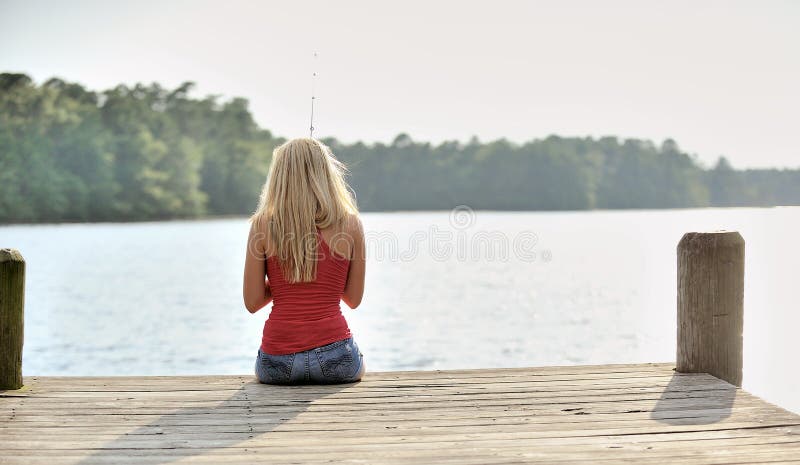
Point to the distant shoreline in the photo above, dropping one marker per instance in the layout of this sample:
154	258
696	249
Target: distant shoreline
244	218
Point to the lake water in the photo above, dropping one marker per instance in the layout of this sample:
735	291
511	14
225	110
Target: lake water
444	290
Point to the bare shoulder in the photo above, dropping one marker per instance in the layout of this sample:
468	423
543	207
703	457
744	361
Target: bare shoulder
258	241
344	236
353	226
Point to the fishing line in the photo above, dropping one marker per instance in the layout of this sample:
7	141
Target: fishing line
313	97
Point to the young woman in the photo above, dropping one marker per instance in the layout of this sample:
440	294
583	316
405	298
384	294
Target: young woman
307	241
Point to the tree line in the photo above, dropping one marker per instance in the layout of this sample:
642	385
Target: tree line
146	153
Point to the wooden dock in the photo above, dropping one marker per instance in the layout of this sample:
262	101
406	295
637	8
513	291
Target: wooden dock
613	413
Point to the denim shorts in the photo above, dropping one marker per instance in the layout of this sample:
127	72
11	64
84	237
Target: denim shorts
337	362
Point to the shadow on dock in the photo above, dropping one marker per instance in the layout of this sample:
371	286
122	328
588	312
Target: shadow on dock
694	399
253	410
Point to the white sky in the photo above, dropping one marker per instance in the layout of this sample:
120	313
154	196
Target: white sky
721	78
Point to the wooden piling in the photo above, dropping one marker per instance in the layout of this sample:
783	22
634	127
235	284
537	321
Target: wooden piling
12	302
711	304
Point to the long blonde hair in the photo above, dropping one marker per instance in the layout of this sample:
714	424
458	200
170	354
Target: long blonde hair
305	190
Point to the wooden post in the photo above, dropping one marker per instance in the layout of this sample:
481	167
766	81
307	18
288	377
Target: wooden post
711	304
12	302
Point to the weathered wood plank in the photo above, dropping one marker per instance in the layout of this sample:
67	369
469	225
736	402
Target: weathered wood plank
389	432
212	398
466	451
534	407
166	399
750	431
498	422
313	421
375	378
436	374
378	386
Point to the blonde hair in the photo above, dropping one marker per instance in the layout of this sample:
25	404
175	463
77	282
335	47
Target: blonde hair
305	189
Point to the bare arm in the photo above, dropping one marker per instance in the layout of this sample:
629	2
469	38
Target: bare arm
255	290
354	289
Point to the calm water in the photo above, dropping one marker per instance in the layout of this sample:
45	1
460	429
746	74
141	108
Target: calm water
444	290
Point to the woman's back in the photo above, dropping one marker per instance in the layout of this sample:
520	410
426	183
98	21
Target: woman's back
306	314
305	254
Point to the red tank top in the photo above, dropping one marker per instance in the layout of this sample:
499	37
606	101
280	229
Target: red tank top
306	315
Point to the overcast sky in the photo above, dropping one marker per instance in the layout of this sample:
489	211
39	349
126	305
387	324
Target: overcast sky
721	78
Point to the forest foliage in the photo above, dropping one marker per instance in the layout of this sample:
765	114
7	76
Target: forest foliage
146	153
